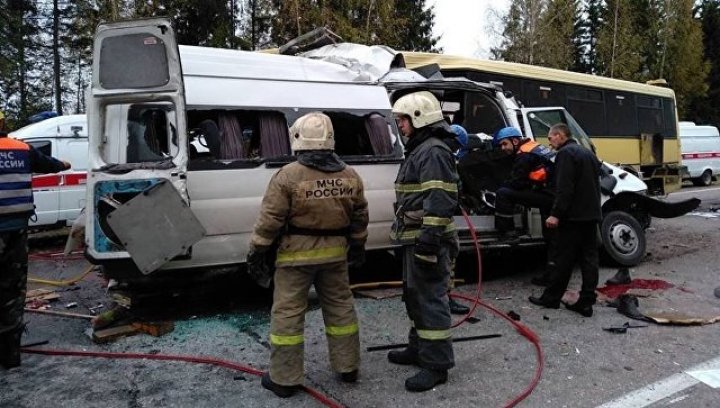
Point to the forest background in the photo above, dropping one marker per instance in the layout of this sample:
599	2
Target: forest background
46	45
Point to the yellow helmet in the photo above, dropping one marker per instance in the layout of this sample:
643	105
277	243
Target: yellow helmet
422	107
313	131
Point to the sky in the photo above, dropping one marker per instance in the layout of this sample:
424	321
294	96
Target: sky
467	27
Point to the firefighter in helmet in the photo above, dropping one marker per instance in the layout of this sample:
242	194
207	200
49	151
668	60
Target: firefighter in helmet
426	191
317	209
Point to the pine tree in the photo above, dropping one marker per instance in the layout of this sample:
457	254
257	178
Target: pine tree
25	87
400	24
681	61
559	36
706	109
620	44
522	32
589	28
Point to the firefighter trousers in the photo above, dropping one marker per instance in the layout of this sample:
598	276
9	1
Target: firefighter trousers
13	281
425	288
290	301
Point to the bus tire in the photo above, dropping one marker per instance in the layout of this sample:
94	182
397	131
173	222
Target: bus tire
705	179
623	238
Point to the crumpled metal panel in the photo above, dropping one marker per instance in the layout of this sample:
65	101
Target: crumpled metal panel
156	226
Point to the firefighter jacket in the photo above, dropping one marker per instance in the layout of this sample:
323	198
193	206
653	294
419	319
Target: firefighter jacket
577	184
316	210
426	190
532	167
18	161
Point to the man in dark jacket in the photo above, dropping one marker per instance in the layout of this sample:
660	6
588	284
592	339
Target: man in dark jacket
426	191
575	213
18	161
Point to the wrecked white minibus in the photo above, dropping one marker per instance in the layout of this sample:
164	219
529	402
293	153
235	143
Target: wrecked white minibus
156	202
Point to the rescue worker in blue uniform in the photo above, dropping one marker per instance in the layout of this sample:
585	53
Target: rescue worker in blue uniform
18	161
317	207
529	185
426	191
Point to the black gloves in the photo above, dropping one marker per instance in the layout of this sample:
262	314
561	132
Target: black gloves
258	267
356	255
427	247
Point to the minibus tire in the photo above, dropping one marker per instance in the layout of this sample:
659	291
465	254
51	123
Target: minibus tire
705	179
623	239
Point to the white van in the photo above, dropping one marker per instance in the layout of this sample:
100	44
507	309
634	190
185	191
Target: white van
58	197
155	202
700	146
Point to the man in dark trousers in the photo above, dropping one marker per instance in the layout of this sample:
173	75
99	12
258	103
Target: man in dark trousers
18	161
529	185
426	191
575	213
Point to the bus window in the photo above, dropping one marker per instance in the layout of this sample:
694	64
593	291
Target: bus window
589	107
650	115
622	118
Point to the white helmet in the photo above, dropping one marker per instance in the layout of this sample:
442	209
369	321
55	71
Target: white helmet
313	131
422	107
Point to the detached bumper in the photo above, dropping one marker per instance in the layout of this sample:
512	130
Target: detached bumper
658	208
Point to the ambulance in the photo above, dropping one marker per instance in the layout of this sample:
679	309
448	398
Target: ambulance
58	197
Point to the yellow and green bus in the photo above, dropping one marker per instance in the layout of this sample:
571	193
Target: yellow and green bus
631	124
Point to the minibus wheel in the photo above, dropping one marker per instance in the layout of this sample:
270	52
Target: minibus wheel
623	238
705	179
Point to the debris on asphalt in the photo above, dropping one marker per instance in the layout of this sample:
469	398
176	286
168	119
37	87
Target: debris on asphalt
60	314
114	333
71	305
503	297
513	315
155	329
623	329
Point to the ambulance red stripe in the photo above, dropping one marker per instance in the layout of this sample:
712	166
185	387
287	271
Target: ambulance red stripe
56	180
707	155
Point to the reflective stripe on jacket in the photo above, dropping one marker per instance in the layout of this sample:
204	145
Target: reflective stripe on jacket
540	173
311	199
426	192
16	198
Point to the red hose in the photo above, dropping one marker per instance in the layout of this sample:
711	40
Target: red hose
522	329
325	400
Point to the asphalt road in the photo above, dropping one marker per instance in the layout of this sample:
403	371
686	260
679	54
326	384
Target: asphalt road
584	366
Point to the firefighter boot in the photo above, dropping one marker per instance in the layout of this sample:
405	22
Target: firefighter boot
406	356
10	348
349	377
622	277
282	391
457	308
425	380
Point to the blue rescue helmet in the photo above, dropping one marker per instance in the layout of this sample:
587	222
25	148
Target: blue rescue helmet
506	133
460	134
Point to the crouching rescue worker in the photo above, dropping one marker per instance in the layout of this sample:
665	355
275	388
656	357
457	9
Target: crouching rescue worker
426	191
318	207
529	185
17	163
